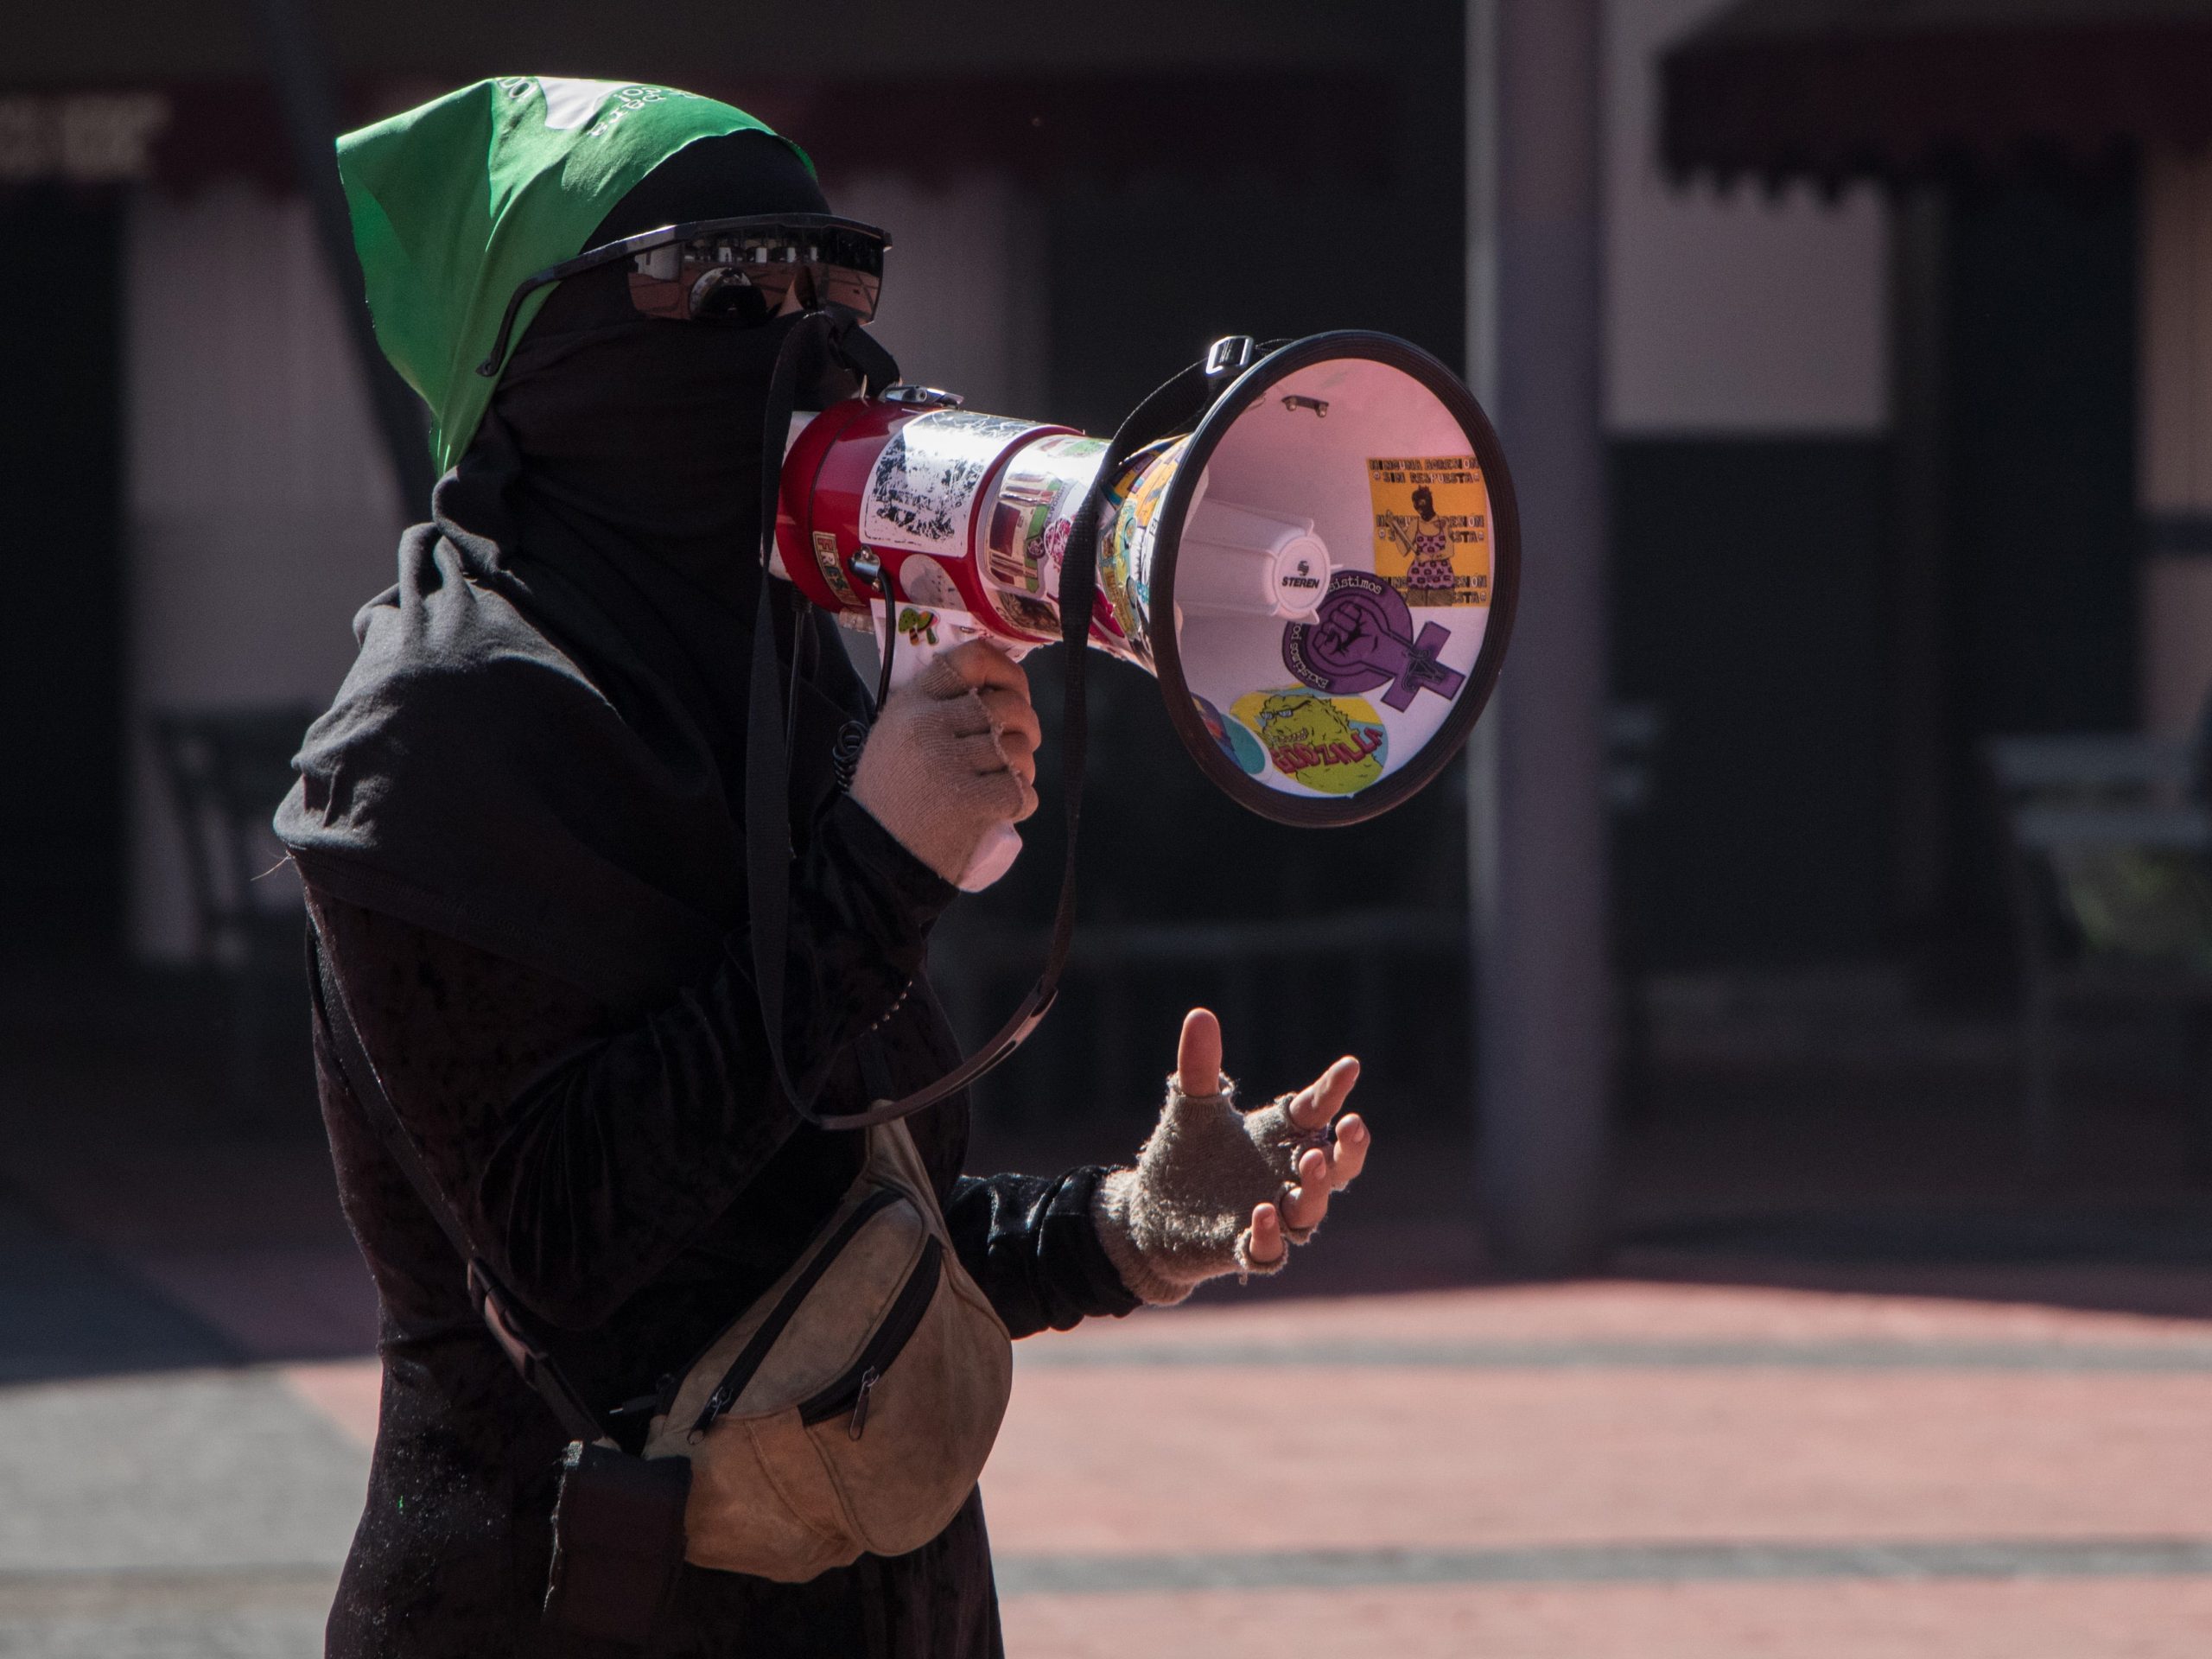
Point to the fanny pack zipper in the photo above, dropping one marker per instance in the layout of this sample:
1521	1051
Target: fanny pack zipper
749	1358
851	1391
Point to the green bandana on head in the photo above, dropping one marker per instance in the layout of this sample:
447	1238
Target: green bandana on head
455	202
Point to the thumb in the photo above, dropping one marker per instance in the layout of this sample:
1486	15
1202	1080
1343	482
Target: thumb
1197	1057
939	681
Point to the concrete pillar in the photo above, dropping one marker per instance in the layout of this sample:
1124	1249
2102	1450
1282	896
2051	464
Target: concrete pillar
1545	985
2175	438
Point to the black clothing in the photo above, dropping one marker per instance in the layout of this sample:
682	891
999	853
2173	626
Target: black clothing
521	829
451	1554
452	1548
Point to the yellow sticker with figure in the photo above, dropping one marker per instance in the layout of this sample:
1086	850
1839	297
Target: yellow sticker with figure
1432	527
1334	746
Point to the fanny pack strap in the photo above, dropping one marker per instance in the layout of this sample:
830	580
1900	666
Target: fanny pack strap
536	1367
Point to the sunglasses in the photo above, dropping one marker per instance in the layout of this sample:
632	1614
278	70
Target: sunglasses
735	271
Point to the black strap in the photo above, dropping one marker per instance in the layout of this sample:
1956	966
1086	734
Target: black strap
768	849
538	1367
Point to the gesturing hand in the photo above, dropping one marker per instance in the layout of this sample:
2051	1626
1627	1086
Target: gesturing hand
1219	1191
1321	1169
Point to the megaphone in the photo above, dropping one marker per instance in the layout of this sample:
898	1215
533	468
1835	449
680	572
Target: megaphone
1320	572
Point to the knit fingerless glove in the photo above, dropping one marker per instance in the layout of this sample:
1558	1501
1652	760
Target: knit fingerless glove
1184	1215
933	774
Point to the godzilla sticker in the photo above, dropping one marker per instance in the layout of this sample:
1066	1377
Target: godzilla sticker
1333	746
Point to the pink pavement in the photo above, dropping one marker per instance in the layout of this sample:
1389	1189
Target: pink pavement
2138	1619
1541	1424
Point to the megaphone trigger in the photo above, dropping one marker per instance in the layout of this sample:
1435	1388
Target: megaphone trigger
1000	846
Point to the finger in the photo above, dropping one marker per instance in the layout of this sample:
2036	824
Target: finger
1320	1100
981	755
1014	754
1266	1234
1012	717
940	679
1197	1057
1305	1204
1353	1139
1008	789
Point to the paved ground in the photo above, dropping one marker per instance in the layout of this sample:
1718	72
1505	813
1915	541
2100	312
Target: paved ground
1853	1402
1591	1470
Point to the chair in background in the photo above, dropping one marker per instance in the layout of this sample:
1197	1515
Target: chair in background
2106	839
227	770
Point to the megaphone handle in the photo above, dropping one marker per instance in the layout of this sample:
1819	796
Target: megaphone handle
993	857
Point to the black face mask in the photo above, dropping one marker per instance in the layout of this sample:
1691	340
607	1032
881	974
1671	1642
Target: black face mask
642	435
643	438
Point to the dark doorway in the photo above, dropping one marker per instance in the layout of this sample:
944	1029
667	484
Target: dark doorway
1748	618
2041	598
1805	613
61	490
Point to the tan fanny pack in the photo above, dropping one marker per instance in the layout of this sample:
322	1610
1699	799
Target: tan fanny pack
851	1408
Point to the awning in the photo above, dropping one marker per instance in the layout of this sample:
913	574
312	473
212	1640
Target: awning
1834	90
110	91
187	135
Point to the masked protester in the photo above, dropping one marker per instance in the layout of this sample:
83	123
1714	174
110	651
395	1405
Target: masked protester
521	829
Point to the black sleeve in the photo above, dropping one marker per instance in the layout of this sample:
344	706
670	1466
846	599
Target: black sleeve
580	1160
1031	1244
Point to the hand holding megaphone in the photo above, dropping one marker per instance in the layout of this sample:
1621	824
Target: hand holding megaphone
951	765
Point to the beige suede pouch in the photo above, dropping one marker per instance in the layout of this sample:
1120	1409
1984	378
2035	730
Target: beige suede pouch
852	1407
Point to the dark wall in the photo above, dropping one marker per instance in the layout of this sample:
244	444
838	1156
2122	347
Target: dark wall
1749	611
2042	527
61	494
2043	522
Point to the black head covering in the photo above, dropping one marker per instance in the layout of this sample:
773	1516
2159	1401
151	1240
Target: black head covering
540	748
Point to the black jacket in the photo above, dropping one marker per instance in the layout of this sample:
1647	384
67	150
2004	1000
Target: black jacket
636	1184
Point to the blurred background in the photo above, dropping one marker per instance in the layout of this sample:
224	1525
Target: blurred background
1788	1030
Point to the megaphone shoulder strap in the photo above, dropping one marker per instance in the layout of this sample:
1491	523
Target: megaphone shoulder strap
768	849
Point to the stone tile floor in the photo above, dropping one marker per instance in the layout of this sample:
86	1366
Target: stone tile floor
1607	1468
1796	1424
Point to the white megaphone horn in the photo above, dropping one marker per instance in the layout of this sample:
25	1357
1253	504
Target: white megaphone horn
1320	572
